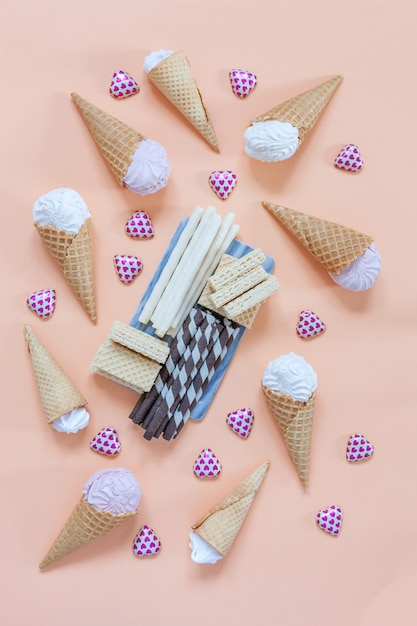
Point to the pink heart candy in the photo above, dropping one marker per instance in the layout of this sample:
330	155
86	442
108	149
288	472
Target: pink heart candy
36	302
127	267
122	85
207	465
325	519
358	448
349	159
309	325
223	183
241	421
242	82
139	226
146	542
106	442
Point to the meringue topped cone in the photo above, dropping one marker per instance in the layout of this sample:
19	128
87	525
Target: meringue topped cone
110	497
138	163
214	534
63	404
277	134
289	384
171	73
63	220
349	256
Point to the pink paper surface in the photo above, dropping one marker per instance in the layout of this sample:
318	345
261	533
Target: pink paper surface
282	569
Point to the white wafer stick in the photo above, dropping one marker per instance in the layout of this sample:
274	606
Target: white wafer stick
170	265
220	245
165	297
182	282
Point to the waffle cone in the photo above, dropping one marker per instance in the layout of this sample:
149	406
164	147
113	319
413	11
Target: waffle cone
333	245
85	524
73	254
303	110
58	395
222	523
116	140
174	78
295	421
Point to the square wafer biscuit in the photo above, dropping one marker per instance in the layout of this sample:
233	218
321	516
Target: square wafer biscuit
254	296
139	341
237	287
237	267
124	366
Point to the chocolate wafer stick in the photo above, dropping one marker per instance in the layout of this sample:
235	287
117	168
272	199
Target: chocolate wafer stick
169	396
201	380
195	363
141	409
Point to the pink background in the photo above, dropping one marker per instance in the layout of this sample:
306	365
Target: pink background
282	568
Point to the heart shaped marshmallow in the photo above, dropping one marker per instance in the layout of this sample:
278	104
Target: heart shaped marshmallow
309	325
207	465
146	542
330	519
127	267
241	422
242	82
358	448
139	226
106	442
349	159
223	182
42	302
122	85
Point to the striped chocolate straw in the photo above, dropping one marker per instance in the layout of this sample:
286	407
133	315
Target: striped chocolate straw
196	361
142	411
201	380
169	396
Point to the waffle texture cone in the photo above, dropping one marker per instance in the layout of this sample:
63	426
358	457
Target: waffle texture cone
331	244
303	110
295	421
116	140
73	253
85	524
174	78
58	394
222	523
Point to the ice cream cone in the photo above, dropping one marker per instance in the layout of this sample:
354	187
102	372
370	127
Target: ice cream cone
333	245
222	523
58	395
116	140
295	421
85	523
174	78
303	110
73	254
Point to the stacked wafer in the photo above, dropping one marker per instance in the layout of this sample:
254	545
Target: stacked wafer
130	357
238	287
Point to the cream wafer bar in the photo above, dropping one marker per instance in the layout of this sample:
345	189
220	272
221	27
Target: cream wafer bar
254	296
236	268
237	287
139	341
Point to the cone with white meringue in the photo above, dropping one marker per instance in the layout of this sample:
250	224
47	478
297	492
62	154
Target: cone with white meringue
58	394
220	526
174	78
333	245
295	421
116	140
303	110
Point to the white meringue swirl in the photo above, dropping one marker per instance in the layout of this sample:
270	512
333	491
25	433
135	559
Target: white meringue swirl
291	375
63	209
202	552
271	141
72	422
362	273
154	58
149	169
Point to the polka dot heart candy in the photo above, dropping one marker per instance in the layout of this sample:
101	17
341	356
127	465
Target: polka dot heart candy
349	159
358	448
139	226
223	182
146	542
242	82
330	519
127	267
309	325
207	465
42	302
122	85
106	442
241	422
